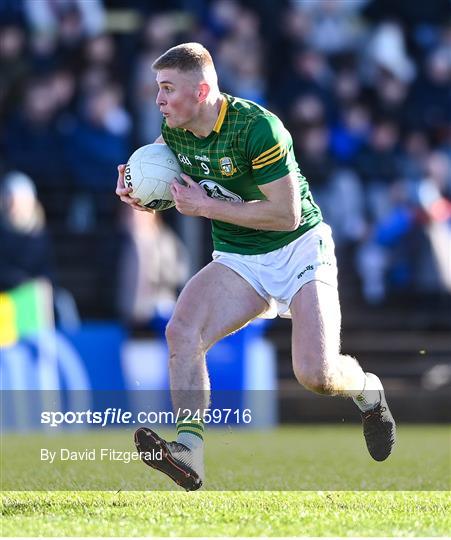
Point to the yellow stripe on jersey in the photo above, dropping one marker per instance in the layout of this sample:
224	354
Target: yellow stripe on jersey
222	113
276	152
263	154
280	155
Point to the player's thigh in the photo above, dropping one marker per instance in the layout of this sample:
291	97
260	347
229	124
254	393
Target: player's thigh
316	318
214	303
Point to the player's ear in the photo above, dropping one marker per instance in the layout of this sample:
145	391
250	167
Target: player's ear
203	91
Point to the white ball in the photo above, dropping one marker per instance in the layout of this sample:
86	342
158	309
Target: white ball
149	172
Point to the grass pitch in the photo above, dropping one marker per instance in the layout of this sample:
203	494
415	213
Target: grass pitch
226	514
248	461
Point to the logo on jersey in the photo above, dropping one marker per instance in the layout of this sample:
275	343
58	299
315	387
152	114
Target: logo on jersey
216	191
202	158
184	159
227	168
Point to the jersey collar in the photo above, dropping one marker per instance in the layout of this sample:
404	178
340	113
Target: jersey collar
222	113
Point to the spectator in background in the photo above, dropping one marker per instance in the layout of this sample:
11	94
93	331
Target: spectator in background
386	51
100	50
335	26
434	195
351	133
45	54
414	155
14	67
99	53
92	146
162	29
158	33
389	72
409	245
386	258
445	147
378	166
32	138
290	28
25	249
147	120
347	86
63	89
222	17
389	97
74	19
240	56
309	74
312	144
242	73
153	266
337	190
98	139
430	104
59	27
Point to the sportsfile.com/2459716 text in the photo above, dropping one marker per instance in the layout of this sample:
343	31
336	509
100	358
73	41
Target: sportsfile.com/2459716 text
112	416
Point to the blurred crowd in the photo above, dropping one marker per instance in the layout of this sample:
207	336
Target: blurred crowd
363	86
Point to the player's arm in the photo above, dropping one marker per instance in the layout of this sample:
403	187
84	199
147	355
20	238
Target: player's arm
268	147
281	211
123	192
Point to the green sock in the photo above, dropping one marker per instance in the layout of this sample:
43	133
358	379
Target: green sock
190	433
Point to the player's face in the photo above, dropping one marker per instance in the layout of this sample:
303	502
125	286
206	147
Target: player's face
177	97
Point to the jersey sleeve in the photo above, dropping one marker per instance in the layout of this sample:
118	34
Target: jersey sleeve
270	149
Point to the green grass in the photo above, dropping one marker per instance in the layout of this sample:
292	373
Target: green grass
124	499
226	514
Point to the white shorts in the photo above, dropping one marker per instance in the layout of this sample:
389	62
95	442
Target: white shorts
278	275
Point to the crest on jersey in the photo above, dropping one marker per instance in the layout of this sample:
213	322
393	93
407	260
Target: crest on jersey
227	168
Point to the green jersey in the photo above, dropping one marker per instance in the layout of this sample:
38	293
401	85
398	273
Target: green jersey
248	147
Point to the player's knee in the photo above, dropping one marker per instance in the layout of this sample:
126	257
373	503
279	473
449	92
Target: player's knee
176	332
317	379
183	335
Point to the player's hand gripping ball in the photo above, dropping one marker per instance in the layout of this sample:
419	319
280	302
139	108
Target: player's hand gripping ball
149	172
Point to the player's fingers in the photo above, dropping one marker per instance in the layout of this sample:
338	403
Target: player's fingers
180	181
123	191
138	207
120	178
120	173
130	200
174	189
187	179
